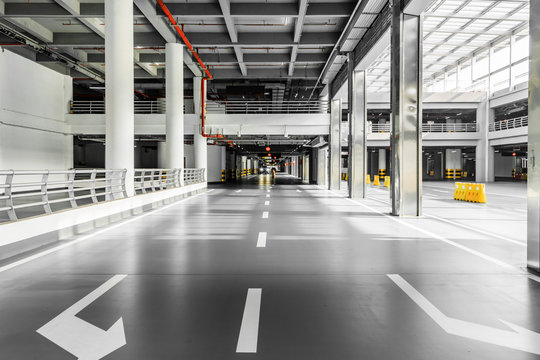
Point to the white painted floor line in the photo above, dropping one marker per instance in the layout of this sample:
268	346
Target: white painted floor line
89	236
438	237
249	330
517	242
443	191
265	215
267	203
238	191
268	190
299	190
268	195
261	241
516	337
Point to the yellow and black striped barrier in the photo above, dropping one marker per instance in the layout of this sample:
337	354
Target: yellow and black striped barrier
382	173
449	173
470	192
513	173
223	175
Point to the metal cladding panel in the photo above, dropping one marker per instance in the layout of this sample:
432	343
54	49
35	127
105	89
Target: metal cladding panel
406	135
357	135
335	144
533	180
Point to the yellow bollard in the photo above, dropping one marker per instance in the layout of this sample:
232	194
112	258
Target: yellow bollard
456	190
482	194
368	179
387	181
469	192
376	180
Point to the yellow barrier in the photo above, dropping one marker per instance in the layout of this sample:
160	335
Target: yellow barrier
223	175
470	192
376	180
387	181
368	179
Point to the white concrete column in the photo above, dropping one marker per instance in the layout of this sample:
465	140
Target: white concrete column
162	154
174	128
119	82
199	142
382	162
305	169
485	160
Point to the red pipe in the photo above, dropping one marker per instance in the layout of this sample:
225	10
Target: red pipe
203	112
183	36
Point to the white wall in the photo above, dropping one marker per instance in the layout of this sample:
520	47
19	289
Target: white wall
504	165
214	163
189	155
36	98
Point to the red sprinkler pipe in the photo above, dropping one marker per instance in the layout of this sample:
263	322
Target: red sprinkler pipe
203	112
183	36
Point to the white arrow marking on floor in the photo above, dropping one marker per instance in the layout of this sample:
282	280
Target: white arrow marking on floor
268	195
261	241
249	330
80	338
518	339
265	215
268	190
267	203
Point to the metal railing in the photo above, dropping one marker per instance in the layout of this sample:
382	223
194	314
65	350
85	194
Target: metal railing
149	180
140	106
193	176
46	190
509	124
268	107
29	193
427	128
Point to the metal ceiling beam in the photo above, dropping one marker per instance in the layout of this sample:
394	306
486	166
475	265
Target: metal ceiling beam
302	9
225	6
187	10
161	25
206	39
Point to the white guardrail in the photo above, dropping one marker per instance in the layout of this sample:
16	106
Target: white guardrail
509	124
268	107
149	180
140	107
427	128
29	193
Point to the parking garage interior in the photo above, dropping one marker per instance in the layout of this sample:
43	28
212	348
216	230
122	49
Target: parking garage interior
269	179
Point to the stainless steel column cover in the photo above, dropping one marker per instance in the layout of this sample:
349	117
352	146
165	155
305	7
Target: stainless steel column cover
357	135
533	175
335	144
406	135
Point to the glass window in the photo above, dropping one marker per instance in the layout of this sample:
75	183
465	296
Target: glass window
465	75
451	80
520	50
520	72
500	80
500	56
481	65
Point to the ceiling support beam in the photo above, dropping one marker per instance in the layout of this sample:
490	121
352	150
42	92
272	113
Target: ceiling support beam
160	23
302	10
225	6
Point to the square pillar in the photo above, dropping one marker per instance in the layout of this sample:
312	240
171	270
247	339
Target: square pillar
357	132
335	144
406	104
533	171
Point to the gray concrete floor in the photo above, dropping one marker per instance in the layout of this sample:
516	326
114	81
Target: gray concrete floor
326	293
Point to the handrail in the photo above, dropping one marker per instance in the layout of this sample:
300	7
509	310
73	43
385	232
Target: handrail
427	128
21	189
268	107
140	107
53	190
507	124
